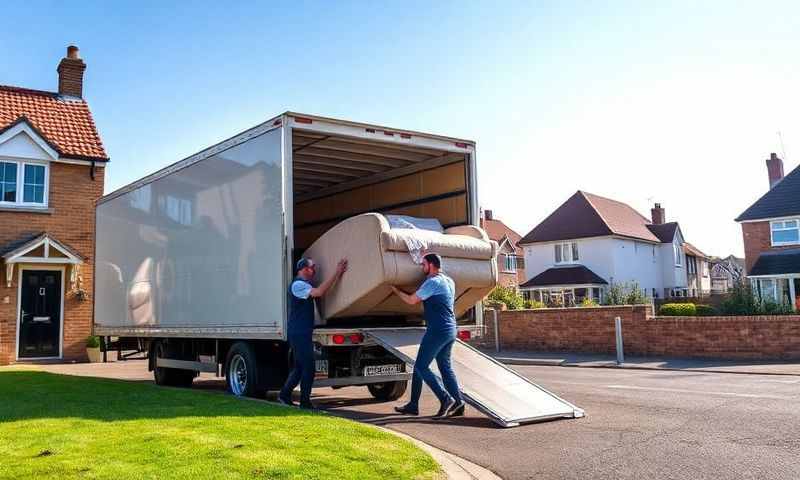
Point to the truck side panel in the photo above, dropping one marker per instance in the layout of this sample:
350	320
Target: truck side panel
199	248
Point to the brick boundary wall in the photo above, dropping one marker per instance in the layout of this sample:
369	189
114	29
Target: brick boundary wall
591	330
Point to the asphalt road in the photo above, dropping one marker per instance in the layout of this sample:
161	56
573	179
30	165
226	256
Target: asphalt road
640	424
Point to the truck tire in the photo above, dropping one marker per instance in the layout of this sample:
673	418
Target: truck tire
169	377
241	371
388	390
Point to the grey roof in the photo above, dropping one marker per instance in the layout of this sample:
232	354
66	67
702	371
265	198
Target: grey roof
572	275
664	231
10	249
782	200
777	262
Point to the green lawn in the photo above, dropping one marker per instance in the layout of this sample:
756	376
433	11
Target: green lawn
58	426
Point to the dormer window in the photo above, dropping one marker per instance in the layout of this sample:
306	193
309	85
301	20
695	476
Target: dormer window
23	184
785	232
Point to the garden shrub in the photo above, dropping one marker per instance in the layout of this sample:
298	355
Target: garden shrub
705	310
534	304
588	302
507	296
93	342
627	293
678	310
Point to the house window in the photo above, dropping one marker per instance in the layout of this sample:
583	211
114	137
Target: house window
785	232
510	263
23	184
33	184
8	182
678	253
566	252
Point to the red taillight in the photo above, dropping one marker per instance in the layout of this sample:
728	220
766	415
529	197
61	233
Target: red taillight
461	145
388	134
464	335
338	339
276	122
356	338
302	120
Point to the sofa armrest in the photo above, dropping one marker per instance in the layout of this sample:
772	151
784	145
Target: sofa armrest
469	231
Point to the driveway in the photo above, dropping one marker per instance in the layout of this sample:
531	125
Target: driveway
639	424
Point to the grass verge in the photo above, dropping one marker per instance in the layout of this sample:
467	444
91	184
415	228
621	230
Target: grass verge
58	426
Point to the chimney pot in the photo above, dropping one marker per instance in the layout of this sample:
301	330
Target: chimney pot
657	214
70	73
774	169
487	214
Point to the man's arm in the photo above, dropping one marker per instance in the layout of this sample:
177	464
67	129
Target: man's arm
409	298
317	292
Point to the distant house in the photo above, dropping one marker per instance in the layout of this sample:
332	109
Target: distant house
698	275
771	231
590	242
725	273
510	262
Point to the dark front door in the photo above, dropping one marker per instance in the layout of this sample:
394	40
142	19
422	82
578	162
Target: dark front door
40	314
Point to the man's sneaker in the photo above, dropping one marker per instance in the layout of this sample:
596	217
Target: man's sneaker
307	406
444	408
406	410
285	401
456	410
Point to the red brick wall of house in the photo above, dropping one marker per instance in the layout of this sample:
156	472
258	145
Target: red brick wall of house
72	198
757	239
591	330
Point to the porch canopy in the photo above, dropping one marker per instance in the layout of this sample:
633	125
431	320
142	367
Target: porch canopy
776	276
41	248
565	286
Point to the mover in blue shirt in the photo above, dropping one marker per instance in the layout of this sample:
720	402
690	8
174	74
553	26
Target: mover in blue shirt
300	327
437	295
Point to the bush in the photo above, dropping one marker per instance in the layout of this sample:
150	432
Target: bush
678	310
507	296
93	341
534	304
743	301
705	310
588	302
627	293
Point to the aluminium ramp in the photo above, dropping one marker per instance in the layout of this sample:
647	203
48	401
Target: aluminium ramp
502	394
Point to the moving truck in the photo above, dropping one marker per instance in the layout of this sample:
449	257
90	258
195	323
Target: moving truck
193	262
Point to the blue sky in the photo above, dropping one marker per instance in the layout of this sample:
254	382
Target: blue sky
638	101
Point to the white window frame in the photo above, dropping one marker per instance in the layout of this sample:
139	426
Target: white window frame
513	263
571	248
19	200
772	229
678	253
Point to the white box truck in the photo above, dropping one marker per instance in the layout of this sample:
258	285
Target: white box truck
193	261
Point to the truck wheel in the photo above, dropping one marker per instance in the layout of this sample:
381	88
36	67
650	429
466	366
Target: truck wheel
169	377
241	371
388	390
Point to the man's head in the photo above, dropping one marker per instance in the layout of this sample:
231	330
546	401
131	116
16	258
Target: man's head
306	268
431	264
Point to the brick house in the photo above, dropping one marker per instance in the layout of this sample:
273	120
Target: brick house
771	233
510	260
52	165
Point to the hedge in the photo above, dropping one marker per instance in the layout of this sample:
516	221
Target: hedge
706	310
678	310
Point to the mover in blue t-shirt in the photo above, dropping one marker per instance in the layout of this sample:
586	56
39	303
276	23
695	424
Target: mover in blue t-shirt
437	295
300	327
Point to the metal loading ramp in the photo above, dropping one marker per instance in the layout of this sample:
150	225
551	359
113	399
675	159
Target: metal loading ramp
502	394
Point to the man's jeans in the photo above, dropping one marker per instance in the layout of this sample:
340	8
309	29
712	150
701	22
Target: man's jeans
302	370
435	345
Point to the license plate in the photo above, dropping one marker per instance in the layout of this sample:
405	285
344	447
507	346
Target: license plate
379	370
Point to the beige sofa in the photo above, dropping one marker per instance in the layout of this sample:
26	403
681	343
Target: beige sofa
378	258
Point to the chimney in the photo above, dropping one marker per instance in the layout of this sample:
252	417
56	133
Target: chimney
70	73
774	169
657	214
487	214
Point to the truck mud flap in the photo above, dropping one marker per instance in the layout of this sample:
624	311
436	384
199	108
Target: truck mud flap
499	392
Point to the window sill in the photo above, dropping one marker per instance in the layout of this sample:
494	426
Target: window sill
45	210
785	244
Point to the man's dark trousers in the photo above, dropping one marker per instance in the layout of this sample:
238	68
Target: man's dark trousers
302	369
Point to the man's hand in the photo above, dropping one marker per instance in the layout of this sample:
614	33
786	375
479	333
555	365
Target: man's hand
341	267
